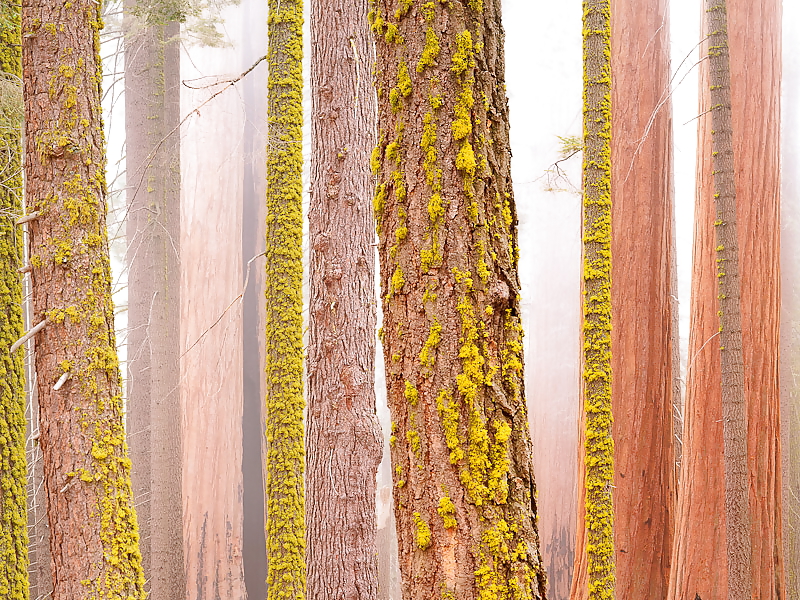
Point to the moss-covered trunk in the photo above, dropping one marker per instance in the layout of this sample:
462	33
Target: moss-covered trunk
13	493
152	114
464	488
94	538
594	575
344	436
700	564
285	462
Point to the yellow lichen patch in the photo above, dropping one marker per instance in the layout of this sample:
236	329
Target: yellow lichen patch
463	55
430	51
285	462
447	510
450	415
599	445
422	533
426	355
411	393
402	89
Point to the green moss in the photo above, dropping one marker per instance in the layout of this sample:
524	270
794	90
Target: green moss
447	510
285	461
422	534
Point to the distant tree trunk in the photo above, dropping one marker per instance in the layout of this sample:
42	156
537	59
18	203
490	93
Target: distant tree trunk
344	438
94	537
152	114
790	306
13	476
734	413
464	488
699	560
285	459
644	336
594	575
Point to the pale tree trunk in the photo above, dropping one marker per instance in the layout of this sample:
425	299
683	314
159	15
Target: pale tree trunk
284	403
700	564
594	574
643	311
13	475
211	334
464	488
94	537
152	106
344	440
790	307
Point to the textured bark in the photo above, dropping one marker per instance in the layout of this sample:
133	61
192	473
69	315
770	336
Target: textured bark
285	460
790	308
699	560
594	574
152	107
644	336
344	440
94	538
211	334
13	476
464	488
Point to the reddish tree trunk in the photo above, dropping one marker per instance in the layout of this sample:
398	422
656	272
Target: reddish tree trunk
699	559
344	438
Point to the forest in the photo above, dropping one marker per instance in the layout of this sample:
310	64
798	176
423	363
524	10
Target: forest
399	299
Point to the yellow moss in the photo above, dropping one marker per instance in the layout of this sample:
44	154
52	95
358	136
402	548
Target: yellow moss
447	510
430	51
426	355
411	394
422	534
285	460
599	445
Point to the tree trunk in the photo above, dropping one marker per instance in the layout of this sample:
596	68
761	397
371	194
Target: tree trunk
790	306
344	438
211	326
644	314
152	114
13	476
699	559
94	537
464	488
284	256
595	571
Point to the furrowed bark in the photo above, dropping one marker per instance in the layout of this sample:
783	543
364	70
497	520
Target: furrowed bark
344	442
464	488
93	530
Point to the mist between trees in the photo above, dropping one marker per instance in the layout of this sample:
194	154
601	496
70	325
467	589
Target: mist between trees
382	299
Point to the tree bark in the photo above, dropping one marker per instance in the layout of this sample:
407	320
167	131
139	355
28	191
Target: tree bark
285	460
699	559
644	337
13	476
344	440
595	560
464	489
152	114
94	537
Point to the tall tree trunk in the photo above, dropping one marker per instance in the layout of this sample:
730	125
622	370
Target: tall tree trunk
790	304
699	559
13	476
594	575
344	441
211	326
285	461
94	537
643	310
152	114
464	487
